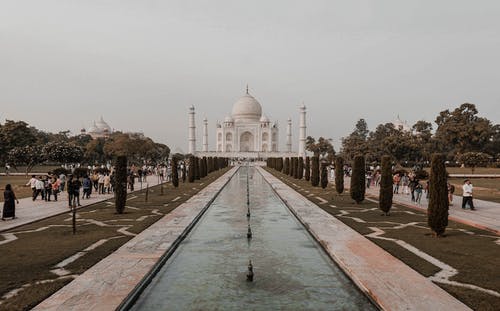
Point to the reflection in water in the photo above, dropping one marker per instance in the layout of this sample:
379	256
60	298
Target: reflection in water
209	270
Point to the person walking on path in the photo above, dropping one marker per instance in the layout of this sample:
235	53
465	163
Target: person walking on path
32	184
39	186
418	191
77	184
396	180
9	203
405	181
467	195
87	187
107	183
69	188
56	184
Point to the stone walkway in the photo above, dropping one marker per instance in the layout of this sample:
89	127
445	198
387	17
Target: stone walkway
388	281
108	283
28	211
486	216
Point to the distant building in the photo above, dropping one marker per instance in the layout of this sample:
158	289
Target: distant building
401	125
99	129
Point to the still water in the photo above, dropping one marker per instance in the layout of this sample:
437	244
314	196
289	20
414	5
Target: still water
291	271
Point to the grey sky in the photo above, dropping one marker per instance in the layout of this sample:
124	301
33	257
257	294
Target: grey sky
141	64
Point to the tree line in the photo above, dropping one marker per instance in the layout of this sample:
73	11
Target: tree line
25	145
461	136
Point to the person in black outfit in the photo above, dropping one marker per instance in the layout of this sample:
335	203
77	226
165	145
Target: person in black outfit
77	184
9	203
69	188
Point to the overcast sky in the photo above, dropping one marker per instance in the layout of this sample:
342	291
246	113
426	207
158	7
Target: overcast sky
141	64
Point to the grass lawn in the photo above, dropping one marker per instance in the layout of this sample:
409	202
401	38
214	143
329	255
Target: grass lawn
38	169
468	170
28	261
472	252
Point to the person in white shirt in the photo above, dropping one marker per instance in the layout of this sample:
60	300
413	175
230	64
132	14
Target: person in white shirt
39	187
467	195
32	183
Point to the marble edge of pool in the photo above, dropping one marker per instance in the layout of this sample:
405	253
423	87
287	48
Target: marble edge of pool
387	281
106	284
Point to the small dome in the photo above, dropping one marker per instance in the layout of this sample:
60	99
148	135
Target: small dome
247	108
401	125
228	119
264	118
103	126
93	128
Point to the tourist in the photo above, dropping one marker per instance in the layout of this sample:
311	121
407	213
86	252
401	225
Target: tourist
467	195
107	184
9	203
87	187
131	181
32	184
368	177
377	178
405	181
70	191
95	181
396	179
7	169
451	190
47	188
100	181
77	184
55	187
418	191
39	186
62	182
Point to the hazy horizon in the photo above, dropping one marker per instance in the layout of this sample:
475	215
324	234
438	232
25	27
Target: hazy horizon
141	65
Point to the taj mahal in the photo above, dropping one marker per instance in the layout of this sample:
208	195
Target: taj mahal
247	133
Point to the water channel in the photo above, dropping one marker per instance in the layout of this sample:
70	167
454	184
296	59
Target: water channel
208	270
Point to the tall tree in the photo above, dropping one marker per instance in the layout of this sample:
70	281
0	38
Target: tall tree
324	175
437	213
175	173
461	130
385	194
323	147
474	159
356	142
300	168
358	179
27	155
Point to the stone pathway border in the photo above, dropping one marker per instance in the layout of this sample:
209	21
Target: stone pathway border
390	283
108	283
29	211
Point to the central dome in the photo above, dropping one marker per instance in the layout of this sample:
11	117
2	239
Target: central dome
247	108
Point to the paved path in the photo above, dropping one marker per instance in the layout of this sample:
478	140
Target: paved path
110	281
388	281
28	211
486	216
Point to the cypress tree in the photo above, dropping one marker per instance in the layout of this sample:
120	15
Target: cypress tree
385	195
197	168
296	170
324	175
120	184
175	174
300	174
358	179
279	165
183	172
205	168
339	175
216	163
315	171
292	166
286	168
191	176
437	213
307	168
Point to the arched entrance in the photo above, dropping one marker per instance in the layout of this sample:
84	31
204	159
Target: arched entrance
246	142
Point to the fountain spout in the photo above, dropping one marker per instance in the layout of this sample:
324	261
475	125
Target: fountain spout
250	272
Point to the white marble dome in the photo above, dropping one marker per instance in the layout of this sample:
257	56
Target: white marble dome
247	108
102	125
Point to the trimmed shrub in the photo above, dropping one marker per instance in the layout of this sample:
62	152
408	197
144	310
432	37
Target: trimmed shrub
339	175
175	172
315	171
386	191
286	168
196	168
120	185
80	172
324	175
421	174
300	172
60	170
358	182
183	173
280	165
216	163
437	213
191	176
292	166
307	169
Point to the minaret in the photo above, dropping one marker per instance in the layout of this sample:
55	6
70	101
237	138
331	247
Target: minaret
205	135
289	136
302	131
192	131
